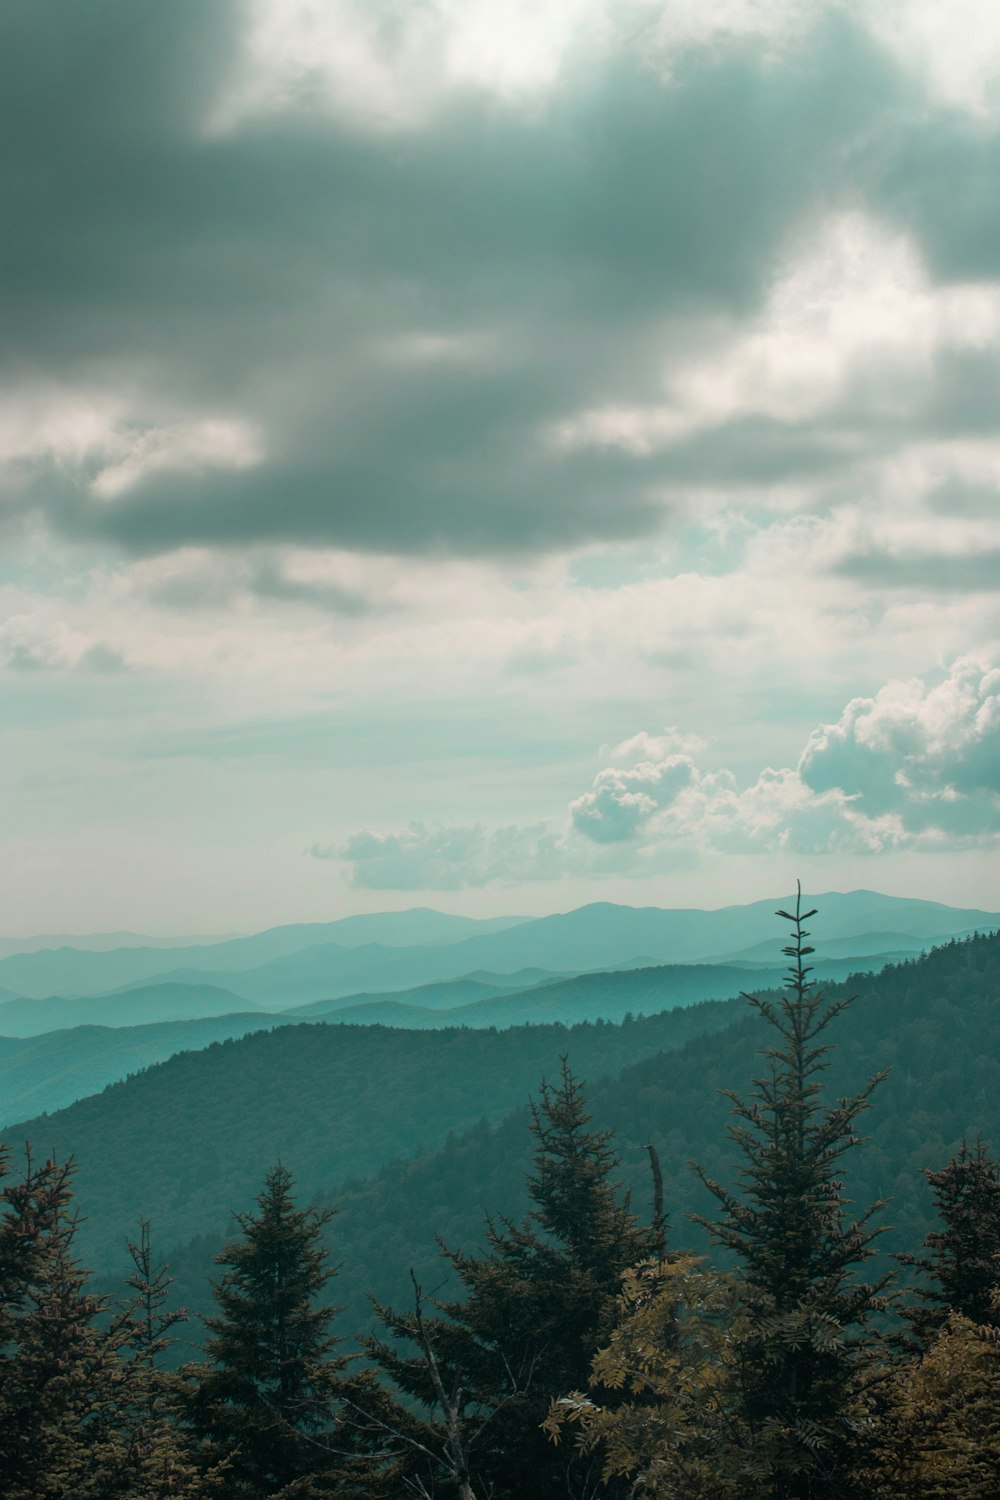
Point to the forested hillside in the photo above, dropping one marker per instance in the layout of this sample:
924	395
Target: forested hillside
933	1022
537	1237
183	1142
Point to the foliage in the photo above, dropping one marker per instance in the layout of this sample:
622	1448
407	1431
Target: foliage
535	1306
940	1436
657	1410
802	1352
264	1403
964	1261
82	1417
56	1366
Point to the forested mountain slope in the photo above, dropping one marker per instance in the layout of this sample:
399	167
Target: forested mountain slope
40	1074
185	1141
606	996
193	1137
933	1022
139	1007
52	1072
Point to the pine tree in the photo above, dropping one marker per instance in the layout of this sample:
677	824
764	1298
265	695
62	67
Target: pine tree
265	1402
802	1342
964	1261
58	1367
535	1308
145	1452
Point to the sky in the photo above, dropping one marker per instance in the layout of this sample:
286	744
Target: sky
496	456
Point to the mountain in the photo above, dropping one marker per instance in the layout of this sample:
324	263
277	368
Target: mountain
155	1002
933	1023
880	945
41	1074
596	937
186	1141
300	964
71	970
45	1068
430	997
102	942
583	997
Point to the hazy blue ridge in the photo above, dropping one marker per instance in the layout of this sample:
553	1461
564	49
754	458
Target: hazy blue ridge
74	970
151	1003
41	1074
309	965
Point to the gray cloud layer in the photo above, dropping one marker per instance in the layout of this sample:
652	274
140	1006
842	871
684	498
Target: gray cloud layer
398	319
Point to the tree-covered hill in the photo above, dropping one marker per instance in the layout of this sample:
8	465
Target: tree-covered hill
934	1022
145	1005
41	1074
43	1069
183	1142
605	996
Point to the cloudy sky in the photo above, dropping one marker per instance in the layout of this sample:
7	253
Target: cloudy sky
496	455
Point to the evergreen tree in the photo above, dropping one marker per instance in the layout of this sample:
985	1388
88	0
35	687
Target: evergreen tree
964	1261
52	1362
536	1306
60	1377
146	1454
265	1403
801	1343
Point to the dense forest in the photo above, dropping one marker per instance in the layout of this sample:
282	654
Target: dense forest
755	1255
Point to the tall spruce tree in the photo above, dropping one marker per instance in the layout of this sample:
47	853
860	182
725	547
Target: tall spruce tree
802	1343
535	1307
146	1453
266	1401
963	1265
60	1376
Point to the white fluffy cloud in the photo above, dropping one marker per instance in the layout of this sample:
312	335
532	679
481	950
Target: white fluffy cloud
926	758
913	766
916	766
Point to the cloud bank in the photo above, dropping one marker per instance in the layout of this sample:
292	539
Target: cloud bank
914	767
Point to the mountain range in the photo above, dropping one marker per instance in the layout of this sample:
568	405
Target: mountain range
410	1135
385	952
500	973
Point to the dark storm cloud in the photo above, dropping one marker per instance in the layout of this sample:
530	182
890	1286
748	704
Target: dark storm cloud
263	275
940	178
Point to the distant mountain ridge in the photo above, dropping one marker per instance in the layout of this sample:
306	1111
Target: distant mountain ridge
155	1002
103	942
72	970
41	1074
298	965
56	1051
